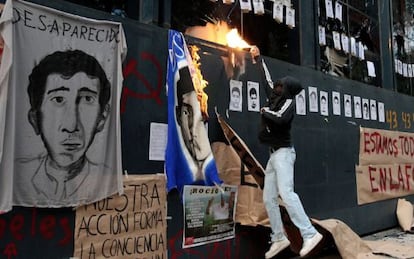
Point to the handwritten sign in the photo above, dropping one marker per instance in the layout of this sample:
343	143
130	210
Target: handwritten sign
123	226
381	182
385	147
385	167
43	23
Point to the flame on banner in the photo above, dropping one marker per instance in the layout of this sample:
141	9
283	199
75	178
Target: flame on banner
221	34
199	82
234	40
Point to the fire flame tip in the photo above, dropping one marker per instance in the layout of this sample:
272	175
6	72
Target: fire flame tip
234	40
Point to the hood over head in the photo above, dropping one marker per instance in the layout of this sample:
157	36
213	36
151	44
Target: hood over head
291	87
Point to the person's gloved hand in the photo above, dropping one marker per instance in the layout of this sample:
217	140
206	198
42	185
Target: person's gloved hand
255	53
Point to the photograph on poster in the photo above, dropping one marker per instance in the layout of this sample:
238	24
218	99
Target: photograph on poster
209	213
336	103
347	105
253	98
235	96
313	99
365	109
357	107
301	103
373	109
324	103
381	112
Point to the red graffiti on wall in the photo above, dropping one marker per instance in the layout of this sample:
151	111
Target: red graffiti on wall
44	227
231	248
10	251
153	92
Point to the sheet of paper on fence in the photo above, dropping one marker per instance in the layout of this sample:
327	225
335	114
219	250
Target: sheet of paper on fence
158	141
245	5
338	11
361	50
278	12
258	7
345	42
131	225
381	182
208	214
337	40
322	35
353	46
378	146
290	17
381	112
405	71
329	9
371	69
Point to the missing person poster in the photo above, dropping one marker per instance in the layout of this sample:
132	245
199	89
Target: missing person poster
63	119
208	214
131	225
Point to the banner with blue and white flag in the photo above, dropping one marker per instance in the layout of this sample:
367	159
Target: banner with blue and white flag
189	159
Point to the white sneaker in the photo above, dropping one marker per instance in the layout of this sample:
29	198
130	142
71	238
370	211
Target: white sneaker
277	247
310	244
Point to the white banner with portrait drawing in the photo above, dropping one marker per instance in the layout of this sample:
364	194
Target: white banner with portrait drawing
6	180
62	120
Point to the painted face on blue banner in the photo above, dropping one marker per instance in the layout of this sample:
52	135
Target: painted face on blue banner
70	114
192	128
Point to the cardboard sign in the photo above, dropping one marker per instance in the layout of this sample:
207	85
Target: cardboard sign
123	226
385	147
381	182
255	168
385	167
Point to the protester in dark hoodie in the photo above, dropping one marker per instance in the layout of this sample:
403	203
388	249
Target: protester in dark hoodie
276	121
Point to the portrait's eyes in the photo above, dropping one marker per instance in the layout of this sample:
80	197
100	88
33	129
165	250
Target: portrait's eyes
87	98
58	100
186	111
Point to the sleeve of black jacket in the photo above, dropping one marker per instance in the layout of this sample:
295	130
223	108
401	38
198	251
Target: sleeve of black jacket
282	116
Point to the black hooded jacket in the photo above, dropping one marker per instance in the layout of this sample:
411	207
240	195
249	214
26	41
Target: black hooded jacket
278	114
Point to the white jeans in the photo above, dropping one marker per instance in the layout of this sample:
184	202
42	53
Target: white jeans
279	181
